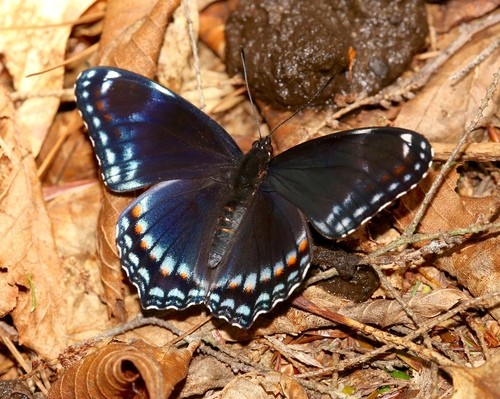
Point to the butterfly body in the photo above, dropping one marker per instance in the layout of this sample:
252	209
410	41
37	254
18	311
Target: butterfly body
223	228
246	180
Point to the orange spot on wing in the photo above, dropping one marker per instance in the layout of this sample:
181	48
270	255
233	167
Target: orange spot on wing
144	244
303	246
400	170
184	275
136	211
138	229
164	272
248	289
278	272
292	261
233	285
99	104
386	179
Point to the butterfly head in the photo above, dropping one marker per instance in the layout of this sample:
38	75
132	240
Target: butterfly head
264	145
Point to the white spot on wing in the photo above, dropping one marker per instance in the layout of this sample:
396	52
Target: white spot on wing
227	303
143	272
250	282
176	293
157	292
393	186
243	310
168	265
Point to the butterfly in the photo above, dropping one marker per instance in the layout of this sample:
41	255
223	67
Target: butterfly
220	227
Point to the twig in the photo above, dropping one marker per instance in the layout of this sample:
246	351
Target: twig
196	57
473	303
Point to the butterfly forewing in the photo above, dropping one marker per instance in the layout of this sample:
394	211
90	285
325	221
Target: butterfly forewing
341	180
144	133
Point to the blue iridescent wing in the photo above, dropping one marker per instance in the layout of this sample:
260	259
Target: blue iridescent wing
144	133
268	260
164	241
341	180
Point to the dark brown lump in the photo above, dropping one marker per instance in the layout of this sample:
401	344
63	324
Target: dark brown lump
293	46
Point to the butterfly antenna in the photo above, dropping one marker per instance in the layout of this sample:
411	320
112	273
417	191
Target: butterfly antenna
305	105
245	76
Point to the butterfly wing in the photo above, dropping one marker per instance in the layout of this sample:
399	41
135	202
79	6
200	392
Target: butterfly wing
163	240
269	258
341	180
164	237
144	133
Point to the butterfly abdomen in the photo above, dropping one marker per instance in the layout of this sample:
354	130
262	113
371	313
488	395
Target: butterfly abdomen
246	181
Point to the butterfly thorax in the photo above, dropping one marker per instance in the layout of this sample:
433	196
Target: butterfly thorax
246	180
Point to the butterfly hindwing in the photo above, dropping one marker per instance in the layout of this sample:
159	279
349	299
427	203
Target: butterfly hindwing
268	259
144	133
163	240
341	180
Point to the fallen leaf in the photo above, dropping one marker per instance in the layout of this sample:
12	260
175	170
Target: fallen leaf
255	386
40	48
444	107
135	370
476	382
31	273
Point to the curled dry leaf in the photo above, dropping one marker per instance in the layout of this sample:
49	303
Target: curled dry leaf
135	370
176	51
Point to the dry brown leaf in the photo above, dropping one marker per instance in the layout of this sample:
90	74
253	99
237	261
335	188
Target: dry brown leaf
212	25
479	382
31	273
476	262
135	370
74	216
255	386
39	49
111	271
385	312
476	265
135	44
455	12
294	353
176	51
130	40
444	107
205	374
73	213
68	162
448	209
